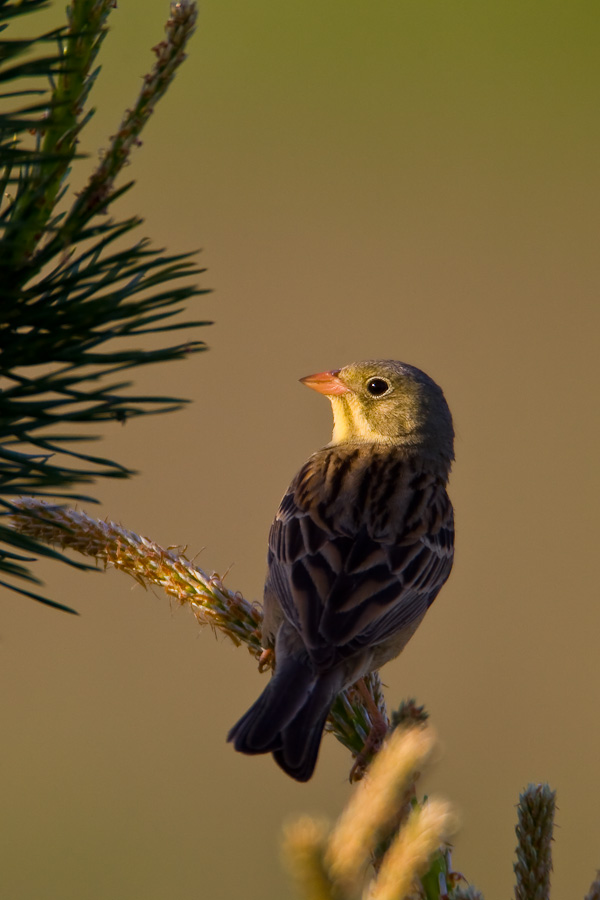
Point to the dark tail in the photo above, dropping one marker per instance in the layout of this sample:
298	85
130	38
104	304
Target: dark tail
288	718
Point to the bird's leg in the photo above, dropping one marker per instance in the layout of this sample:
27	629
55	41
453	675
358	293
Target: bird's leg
379	729
379	722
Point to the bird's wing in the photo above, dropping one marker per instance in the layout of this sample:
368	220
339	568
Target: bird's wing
355	589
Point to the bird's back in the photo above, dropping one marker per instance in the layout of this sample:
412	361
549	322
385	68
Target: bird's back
360	546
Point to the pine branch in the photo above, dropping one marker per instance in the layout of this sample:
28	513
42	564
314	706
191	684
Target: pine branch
71	283
170	54
537	804
211	602
383	825
332	863
38	189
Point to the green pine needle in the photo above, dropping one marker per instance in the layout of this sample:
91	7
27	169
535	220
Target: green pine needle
73	283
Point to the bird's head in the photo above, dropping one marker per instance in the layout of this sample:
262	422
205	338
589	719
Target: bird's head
387	402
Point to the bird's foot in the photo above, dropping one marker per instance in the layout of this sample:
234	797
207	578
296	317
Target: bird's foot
265	660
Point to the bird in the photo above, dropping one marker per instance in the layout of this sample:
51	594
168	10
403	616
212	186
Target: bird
361	544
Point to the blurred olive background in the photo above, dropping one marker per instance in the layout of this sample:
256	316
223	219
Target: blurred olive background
416	180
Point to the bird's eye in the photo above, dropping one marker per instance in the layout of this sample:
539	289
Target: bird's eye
377	387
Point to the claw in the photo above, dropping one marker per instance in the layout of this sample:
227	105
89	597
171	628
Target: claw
265	660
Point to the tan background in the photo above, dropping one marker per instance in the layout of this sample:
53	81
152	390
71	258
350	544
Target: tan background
392	179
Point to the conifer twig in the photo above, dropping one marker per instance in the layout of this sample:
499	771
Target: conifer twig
170	53
75	303
536	809
211	602
332	863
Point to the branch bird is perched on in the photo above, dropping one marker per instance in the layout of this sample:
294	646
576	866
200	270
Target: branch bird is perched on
360	547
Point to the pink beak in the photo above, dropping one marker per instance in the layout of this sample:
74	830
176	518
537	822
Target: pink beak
325	383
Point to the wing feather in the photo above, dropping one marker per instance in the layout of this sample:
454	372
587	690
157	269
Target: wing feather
351	565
